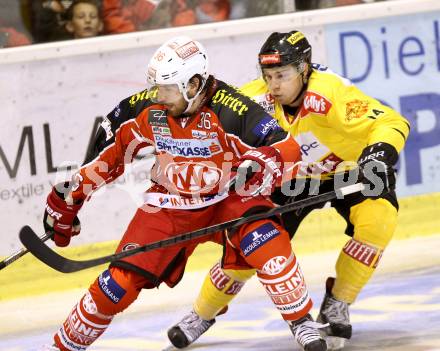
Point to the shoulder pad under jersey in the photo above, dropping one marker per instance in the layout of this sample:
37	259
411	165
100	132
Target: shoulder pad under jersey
127	109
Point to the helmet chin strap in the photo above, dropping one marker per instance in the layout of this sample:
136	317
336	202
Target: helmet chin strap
190	101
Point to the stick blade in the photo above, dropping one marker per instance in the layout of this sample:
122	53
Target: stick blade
45	254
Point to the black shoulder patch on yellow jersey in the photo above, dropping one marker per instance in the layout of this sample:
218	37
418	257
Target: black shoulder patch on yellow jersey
241	116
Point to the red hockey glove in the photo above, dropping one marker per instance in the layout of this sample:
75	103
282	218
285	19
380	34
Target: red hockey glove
257	171
60	218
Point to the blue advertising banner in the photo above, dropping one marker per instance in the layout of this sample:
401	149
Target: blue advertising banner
397	60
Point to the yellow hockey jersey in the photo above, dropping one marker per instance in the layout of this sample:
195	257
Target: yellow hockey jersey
335	122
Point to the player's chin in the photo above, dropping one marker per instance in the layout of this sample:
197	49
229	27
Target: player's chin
282	99
174	111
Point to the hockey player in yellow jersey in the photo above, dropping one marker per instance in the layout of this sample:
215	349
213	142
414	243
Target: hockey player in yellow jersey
334	123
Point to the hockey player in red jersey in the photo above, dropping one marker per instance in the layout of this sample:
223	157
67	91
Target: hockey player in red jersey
202	132
334	122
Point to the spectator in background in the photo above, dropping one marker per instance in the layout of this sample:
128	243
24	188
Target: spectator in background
83	19
10	37
12	29
114	18
186	12
122	16
182	13
47	19
212	11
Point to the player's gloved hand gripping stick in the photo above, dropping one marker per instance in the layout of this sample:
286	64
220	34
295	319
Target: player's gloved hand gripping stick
60	217
45	254
257	171
60	222
376	169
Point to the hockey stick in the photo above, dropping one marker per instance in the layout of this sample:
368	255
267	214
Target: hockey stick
65	265
20	253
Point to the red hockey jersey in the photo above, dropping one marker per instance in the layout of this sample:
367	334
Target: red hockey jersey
194	154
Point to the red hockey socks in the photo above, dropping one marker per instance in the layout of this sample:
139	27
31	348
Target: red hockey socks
82	327
284	282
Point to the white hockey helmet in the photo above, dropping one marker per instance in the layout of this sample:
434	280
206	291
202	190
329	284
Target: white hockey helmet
176	62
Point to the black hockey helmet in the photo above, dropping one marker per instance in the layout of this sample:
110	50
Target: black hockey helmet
281	49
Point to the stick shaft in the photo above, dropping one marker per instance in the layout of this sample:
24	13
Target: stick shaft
20	253
62	264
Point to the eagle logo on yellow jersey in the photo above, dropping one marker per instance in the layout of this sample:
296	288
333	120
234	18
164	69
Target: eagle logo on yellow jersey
355	109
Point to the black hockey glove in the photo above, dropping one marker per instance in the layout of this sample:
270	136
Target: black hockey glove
376	170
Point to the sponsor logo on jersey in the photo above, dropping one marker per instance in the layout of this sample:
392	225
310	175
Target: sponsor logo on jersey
187	50
223	97
199	134
161	130
185	202
269	59
267	102
319	67
188	147
157	118
362	253
315	103
258	237
107	126
311	147
275	265
163	201
110	287
265	126
116	111
193	177
305	148
317	157
144	95
202	134
182	202
356	109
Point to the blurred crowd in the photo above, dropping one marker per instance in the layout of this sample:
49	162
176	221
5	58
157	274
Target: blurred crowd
24	22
